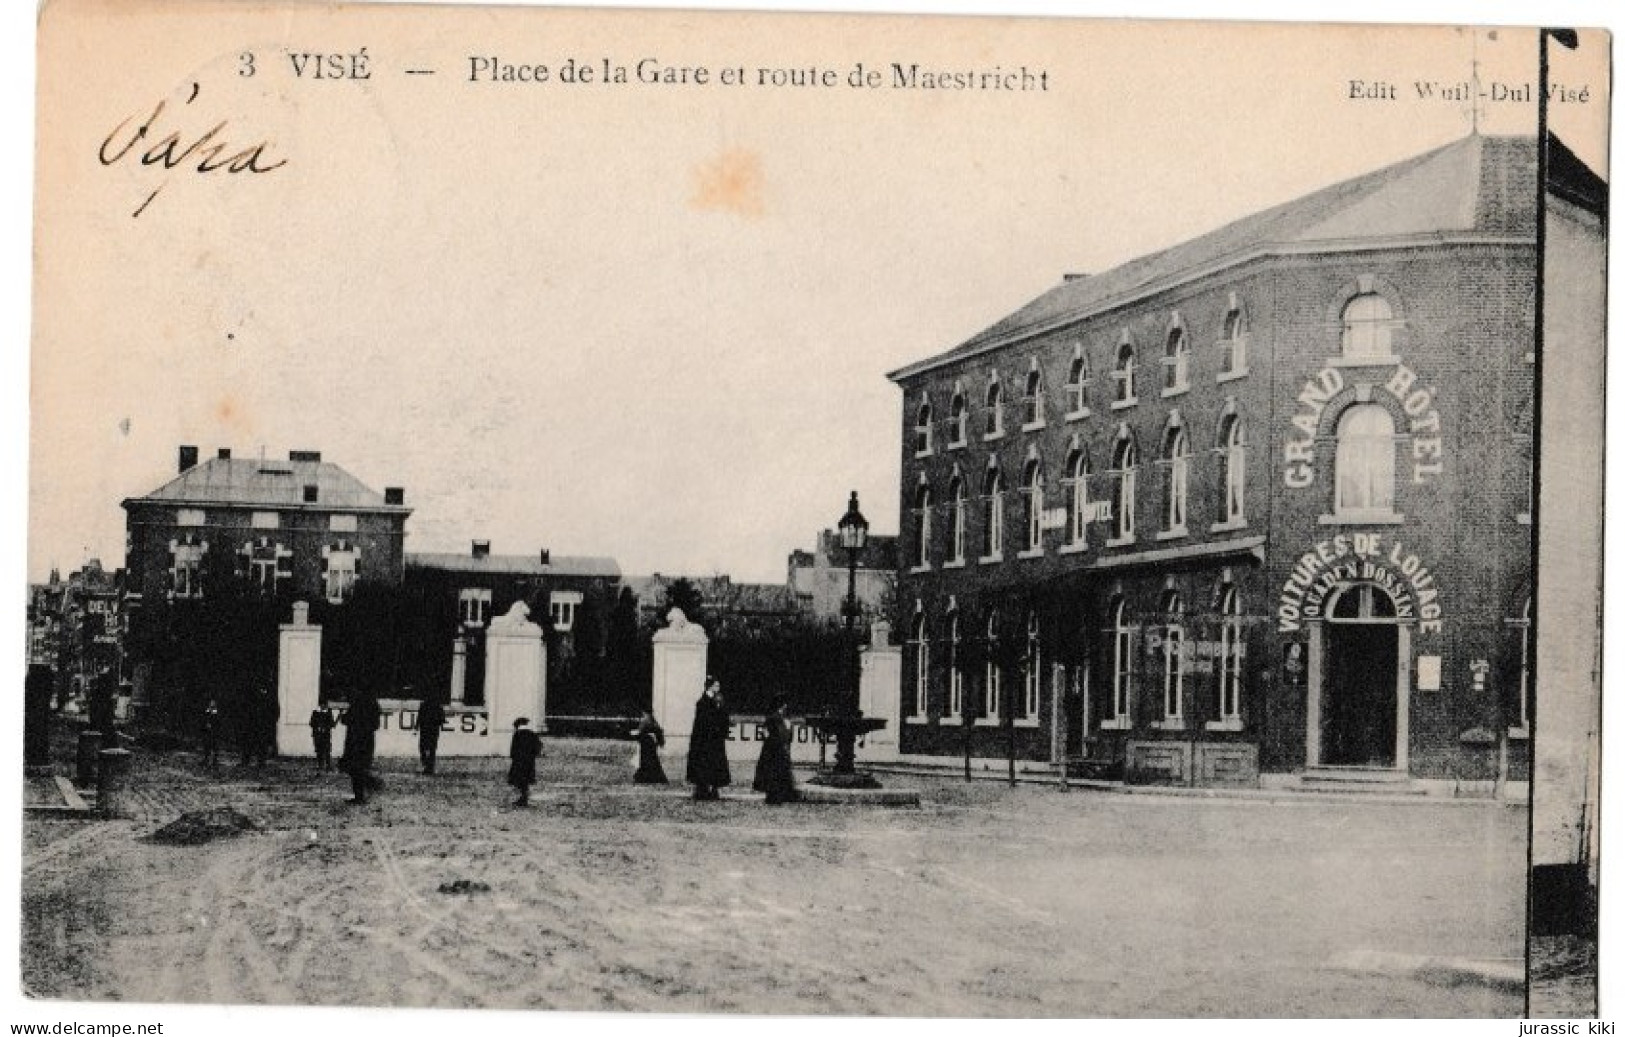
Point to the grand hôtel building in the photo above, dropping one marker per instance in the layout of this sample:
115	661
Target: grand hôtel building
1255	508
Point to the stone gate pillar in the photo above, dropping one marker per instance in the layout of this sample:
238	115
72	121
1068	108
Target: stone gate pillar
298	682
880	691
515	674
680	655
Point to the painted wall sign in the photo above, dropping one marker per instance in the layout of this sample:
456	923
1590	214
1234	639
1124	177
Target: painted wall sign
1427	446
1359	557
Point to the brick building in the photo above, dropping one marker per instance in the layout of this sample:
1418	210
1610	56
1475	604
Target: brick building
458	595
1257	503
300	528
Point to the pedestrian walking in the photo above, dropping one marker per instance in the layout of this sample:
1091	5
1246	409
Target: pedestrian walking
651	739
773	773
360	741
321	737
708	743
431	715
522	752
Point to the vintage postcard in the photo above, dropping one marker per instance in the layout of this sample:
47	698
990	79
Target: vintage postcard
728	513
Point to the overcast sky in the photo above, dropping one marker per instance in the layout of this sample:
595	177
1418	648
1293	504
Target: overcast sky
649	322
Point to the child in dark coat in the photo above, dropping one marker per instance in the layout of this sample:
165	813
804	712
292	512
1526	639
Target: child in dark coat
522	753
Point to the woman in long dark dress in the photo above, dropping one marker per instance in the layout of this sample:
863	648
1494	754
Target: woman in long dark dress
708	744
773	773
651	738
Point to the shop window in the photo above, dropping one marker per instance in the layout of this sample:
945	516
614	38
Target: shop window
1232	656
1173	662
1119	717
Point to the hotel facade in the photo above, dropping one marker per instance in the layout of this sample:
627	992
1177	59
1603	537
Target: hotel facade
1254	507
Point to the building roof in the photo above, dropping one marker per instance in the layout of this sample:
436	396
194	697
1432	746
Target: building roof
879	551
1479	185
532	565
247	482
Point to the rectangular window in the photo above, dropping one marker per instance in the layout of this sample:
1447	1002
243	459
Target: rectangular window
189	517
265	520
186	571
341	523
474	606
561	608
340	577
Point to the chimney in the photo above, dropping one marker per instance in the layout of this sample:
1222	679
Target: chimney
394	495
225	453
188	458
304	455
482	549
547	557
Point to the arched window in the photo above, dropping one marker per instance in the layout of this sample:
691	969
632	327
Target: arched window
991	687
1032	401
1362	601
1176	456
1365	461
956	677
922	428
1122	473
1124	373
1176	362
1077	384
993	518
922	527
1122	647
956	519
995	410
922	663
1233	343
1173	660
1032	483
958	418
1232	654
1233	456
1033	664
1368	323
1077	487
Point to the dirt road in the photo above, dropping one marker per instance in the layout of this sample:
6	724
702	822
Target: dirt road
608	896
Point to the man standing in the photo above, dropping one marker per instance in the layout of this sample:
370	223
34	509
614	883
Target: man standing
708	743
522	753
431	715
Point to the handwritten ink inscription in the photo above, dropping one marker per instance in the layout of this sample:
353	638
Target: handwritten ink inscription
203	152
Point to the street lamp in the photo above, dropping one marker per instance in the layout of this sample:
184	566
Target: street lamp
846	721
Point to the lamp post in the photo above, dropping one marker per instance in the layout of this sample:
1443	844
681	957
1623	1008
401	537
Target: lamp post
854	533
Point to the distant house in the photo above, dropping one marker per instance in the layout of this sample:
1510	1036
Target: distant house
460	594
818	578
722	600
299	528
